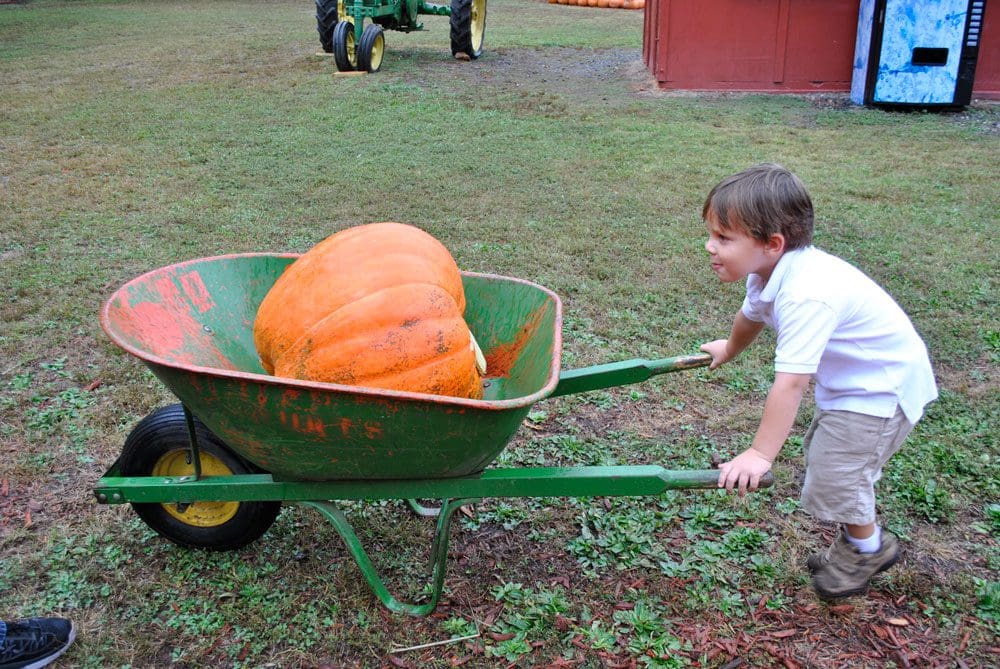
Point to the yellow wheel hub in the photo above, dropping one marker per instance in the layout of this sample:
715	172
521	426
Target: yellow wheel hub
478	23
378	50
198	514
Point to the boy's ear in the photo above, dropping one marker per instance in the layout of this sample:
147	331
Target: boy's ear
775	244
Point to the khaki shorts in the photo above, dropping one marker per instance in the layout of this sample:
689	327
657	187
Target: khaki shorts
845	453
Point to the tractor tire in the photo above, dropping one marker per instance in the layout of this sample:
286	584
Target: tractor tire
345	52
326	19
468	26
372	48
160	446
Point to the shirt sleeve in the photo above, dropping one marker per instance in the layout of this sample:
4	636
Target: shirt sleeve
751	301
804	330
750	312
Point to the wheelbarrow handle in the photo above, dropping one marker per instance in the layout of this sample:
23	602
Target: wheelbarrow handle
623	373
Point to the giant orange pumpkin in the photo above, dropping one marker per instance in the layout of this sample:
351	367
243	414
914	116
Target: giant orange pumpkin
377	305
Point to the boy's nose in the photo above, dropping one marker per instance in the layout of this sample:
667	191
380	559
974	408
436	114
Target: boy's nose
709	246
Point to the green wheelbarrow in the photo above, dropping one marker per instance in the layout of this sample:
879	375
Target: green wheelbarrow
213	471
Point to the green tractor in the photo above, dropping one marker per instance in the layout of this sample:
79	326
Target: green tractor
356	47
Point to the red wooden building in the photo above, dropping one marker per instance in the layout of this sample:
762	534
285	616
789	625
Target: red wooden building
789	46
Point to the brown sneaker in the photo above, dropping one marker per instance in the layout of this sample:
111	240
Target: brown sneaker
817	561
842	570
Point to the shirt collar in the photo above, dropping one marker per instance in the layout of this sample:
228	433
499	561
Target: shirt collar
769	291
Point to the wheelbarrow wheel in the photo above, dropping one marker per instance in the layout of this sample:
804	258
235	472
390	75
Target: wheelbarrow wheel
468	26
160	446
326	19
345	51
372	48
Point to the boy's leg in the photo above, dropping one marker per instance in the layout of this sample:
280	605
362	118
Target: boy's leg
845	453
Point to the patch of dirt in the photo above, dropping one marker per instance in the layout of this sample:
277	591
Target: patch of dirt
565	71
543	75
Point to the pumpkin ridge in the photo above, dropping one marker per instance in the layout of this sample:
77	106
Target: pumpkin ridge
372	296
440	328
451	341
347	375
391	378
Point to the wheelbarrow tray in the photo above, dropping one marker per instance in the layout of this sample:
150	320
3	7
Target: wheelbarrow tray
191	323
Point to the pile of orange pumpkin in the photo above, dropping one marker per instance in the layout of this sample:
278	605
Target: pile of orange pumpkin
379	306
610	4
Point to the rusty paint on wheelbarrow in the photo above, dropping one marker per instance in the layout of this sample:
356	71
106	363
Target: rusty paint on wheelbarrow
192	324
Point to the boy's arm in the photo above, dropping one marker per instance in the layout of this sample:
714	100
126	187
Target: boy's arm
745	470
742	335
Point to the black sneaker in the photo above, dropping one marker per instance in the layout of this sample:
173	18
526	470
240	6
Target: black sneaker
34	643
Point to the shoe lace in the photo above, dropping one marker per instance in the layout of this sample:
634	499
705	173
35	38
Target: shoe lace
19	644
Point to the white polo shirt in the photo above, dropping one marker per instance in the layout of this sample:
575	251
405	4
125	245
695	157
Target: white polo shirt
835	323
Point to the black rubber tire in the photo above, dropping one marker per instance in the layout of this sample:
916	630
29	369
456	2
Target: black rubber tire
372	48
326	19
345	51
164	434
463	35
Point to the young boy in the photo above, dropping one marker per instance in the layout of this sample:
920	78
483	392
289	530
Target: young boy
837	326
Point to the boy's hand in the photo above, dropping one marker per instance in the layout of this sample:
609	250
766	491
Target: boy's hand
744	471
719	350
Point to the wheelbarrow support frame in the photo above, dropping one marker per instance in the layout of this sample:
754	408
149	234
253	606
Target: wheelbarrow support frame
454	493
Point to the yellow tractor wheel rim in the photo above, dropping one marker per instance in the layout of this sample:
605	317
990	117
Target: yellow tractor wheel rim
478	23
352	48
378	50
197	514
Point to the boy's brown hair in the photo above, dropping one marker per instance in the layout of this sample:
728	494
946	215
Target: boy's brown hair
763	200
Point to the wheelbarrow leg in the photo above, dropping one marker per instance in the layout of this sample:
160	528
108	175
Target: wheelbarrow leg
439	554
195	456
423	511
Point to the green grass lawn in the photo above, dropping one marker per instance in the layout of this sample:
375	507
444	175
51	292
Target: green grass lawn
138	134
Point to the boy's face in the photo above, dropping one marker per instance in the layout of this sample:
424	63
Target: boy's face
734	254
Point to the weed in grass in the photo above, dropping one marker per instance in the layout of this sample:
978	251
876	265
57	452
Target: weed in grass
459	627
988	602
993	518
528	616
620	536
506	515
597	637
649	637
788	505
992	340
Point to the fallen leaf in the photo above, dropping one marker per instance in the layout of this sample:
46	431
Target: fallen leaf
93	385
781	634
898	622
842	609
